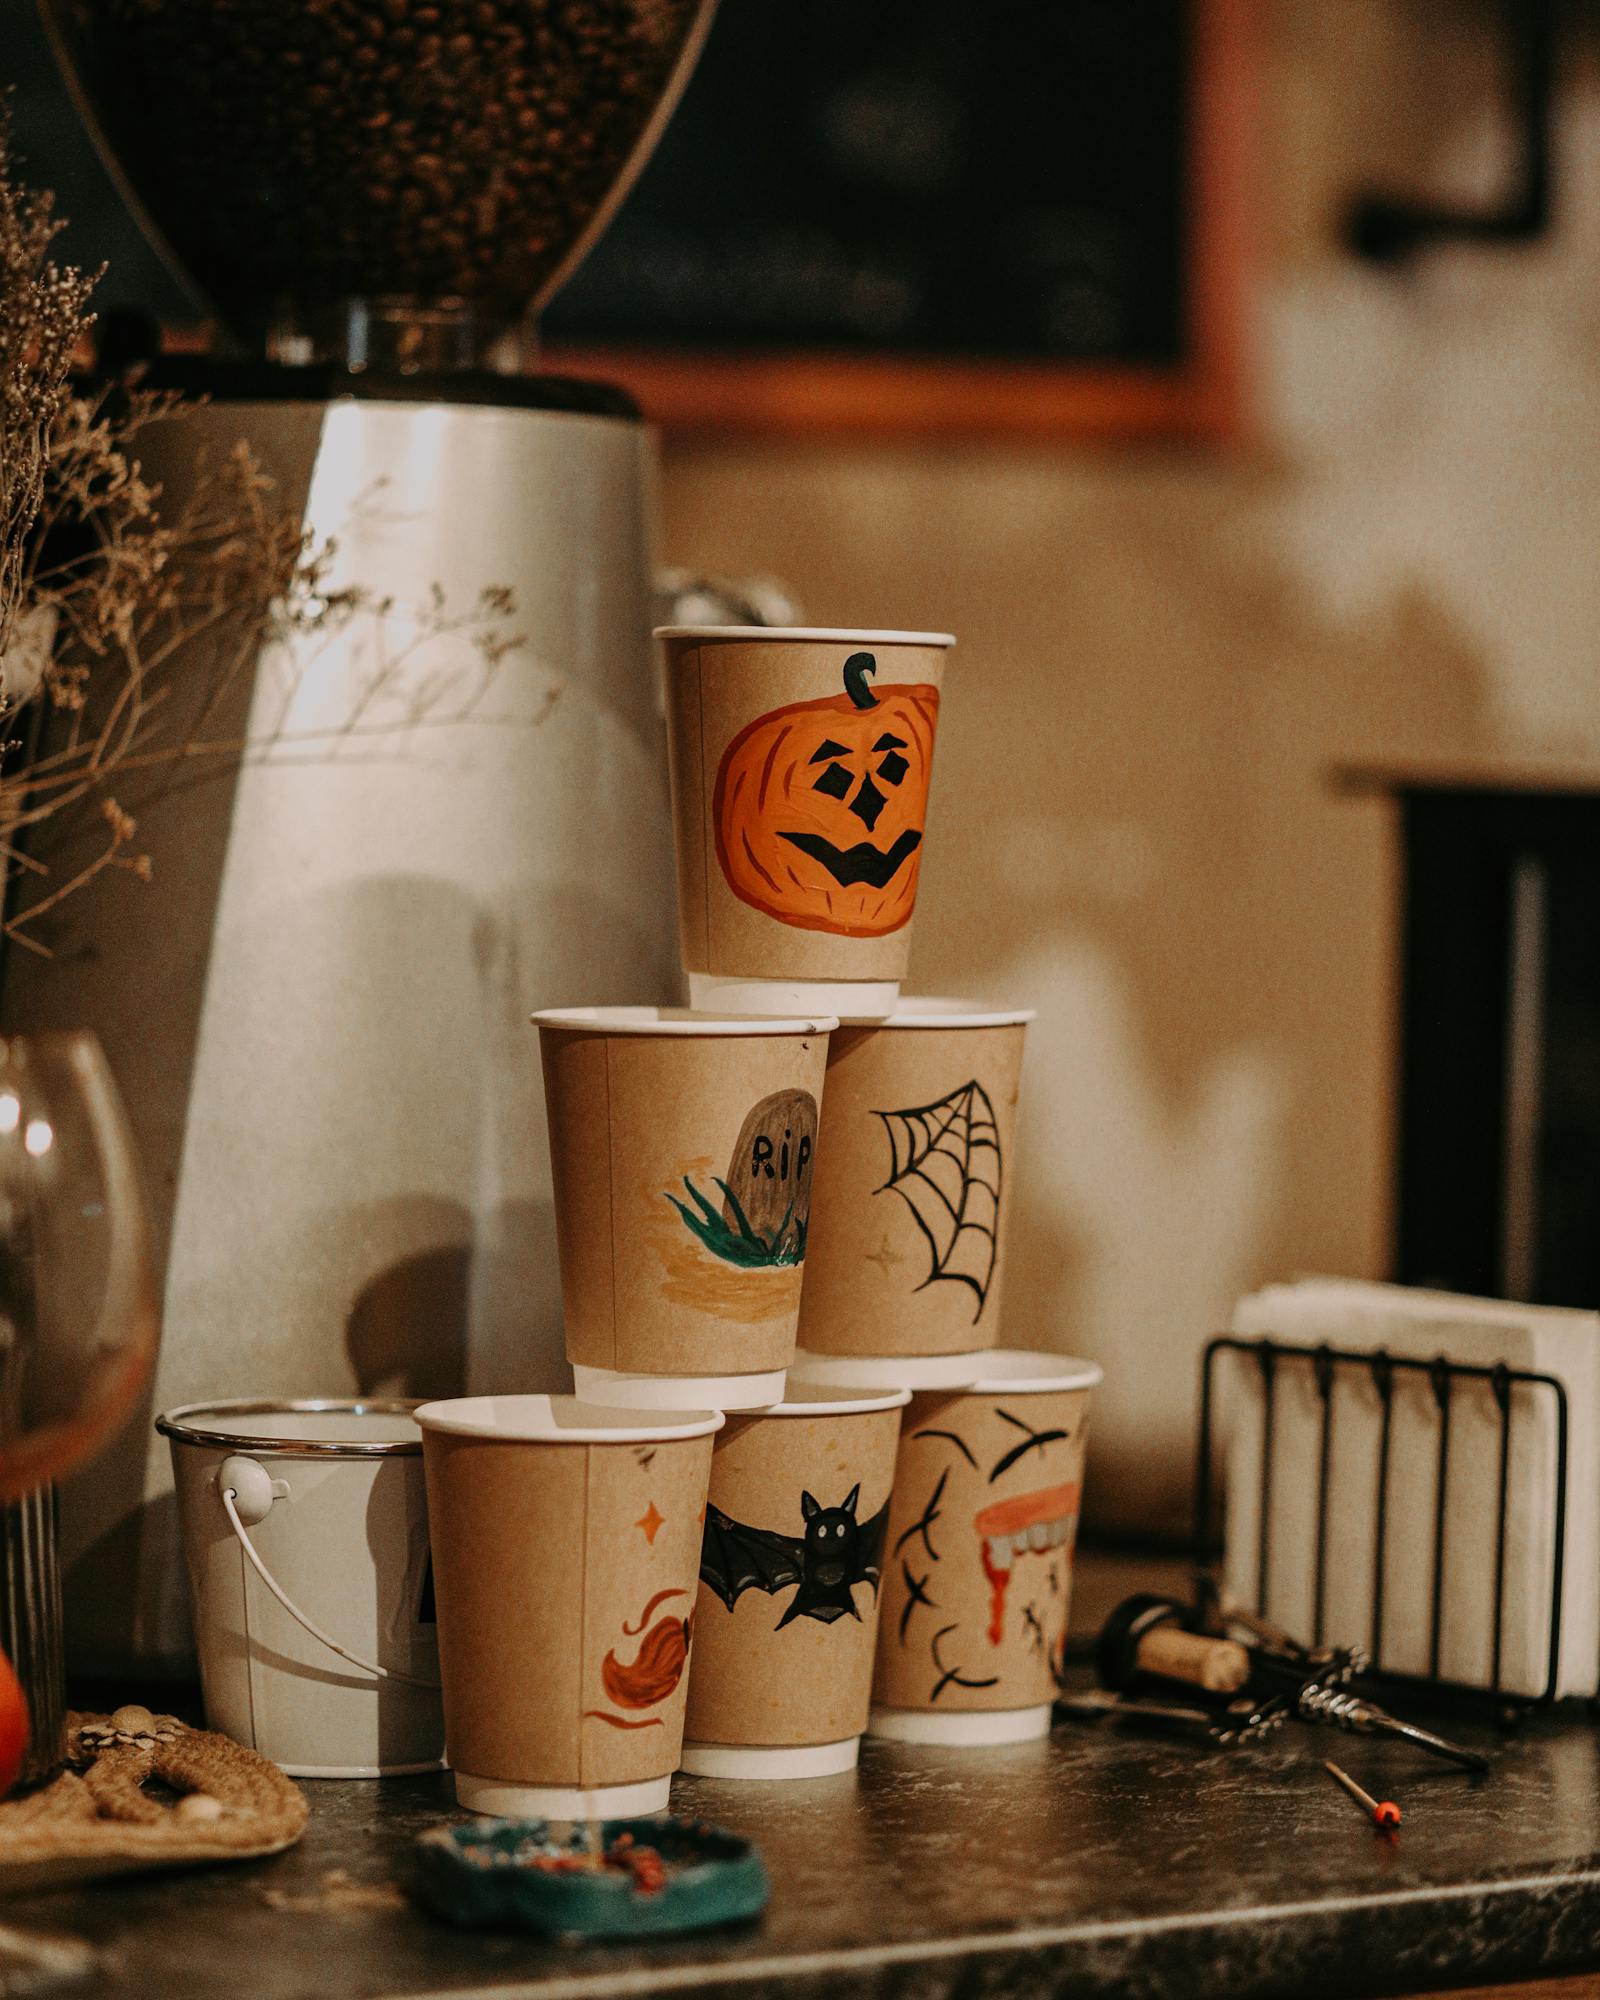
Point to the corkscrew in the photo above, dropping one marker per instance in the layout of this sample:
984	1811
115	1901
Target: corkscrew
1365	1718
1237	1721
1240	1690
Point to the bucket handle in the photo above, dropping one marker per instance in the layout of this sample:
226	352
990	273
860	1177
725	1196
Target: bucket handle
229	1495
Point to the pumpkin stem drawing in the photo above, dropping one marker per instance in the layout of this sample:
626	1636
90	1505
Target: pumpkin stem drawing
856	669
819	807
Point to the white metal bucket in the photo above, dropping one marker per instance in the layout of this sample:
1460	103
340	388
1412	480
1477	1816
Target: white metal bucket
305	1531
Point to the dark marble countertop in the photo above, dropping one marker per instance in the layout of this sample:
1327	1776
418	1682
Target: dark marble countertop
1094	1863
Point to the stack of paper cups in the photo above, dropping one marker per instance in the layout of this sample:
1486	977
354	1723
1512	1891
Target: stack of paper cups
729	1180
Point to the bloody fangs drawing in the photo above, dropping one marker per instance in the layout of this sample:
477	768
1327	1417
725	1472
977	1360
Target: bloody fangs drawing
978	1569
820	806
1026	1525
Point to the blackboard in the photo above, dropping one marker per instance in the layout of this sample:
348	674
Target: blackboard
912	176
1025	183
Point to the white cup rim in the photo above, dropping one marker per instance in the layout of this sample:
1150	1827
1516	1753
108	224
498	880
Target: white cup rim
1024	1371
937	1011
534	1420
681	1021
801	1399
843	635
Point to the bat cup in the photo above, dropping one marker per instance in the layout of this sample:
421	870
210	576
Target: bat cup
790	1568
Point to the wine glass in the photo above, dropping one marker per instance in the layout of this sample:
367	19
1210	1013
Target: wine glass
77	1329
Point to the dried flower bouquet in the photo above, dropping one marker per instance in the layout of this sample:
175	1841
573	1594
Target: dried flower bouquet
112	602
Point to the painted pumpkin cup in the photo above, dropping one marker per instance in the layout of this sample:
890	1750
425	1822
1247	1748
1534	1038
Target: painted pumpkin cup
682	1150
801	763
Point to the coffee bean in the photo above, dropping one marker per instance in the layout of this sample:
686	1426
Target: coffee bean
313	152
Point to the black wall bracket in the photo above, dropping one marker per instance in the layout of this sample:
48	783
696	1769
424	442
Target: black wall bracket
1386	231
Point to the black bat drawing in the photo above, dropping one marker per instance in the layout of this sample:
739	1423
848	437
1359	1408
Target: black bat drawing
835	1553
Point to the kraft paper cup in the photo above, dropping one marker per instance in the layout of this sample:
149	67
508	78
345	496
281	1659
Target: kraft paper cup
978	1561
566	1540
909	1204
800	761
790	1570
682	1149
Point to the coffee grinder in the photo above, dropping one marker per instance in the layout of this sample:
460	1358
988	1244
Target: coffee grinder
317	1010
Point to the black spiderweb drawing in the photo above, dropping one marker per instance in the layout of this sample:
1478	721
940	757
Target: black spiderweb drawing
946	1168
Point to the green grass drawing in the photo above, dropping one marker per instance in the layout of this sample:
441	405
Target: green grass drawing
744	1246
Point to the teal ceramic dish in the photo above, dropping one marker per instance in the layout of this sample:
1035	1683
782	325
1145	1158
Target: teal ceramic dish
485	1874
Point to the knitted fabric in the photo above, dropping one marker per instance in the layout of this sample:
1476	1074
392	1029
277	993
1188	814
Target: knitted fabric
146	1797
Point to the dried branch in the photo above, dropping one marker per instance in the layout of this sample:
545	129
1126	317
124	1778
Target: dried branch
112	603
43	316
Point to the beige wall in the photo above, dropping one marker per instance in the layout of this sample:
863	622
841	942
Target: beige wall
1161	656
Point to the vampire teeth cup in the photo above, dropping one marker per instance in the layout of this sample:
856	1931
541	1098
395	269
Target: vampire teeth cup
910	1198
800	762
682	1148
981	1528
566	1544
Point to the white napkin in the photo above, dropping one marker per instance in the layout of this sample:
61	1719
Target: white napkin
1355	1314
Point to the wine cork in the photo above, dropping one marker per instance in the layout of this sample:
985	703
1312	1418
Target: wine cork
1220	1666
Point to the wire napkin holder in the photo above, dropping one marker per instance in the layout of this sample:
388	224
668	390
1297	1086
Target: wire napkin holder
1383	1370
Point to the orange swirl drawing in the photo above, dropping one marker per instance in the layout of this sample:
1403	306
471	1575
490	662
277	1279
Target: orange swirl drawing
654	1671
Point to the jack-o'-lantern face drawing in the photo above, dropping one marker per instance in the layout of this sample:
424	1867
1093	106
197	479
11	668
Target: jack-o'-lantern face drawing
819	807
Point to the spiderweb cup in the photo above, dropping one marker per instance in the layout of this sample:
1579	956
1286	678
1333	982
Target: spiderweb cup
919	1119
